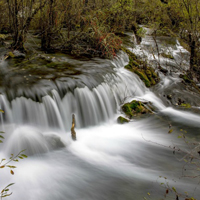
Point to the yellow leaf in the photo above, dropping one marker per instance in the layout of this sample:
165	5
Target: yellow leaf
170	131
11	171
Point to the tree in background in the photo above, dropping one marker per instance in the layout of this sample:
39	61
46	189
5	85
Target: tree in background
21	14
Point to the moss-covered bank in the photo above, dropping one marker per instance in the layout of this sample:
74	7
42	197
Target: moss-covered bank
146	73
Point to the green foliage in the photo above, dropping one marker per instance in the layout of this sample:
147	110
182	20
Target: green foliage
5	164
141	32
95	39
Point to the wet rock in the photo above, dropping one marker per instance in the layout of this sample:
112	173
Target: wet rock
54	142
122	120
18	54
163	70
169	96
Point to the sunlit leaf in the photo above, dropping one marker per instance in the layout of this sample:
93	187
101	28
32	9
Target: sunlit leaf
25	156
173	188
1	137
1	111
170	131
9	185
10	166
6	195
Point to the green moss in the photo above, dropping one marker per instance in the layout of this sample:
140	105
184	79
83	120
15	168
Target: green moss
167	56
186	78
122	120
2	36
154	75
10	54
143	77
186	105
148	73
153	82
127	109
134	108
131	54
184	44
129	66
134	63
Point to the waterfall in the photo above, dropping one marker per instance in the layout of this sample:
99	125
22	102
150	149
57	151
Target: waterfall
90	105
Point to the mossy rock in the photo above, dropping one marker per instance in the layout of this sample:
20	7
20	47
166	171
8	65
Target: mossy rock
122	120
134	108
146	73
131	54
143	77
134	63
169	56
185	78
153	82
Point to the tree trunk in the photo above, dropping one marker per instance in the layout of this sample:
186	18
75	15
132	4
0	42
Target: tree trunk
192	44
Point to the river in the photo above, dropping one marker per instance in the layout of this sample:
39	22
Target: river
107	161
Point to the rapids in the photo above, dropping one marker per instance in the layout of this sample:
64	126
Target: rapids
107	161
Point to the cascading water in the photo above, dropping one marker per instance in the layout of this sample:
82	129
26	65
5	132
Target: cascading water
108	161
